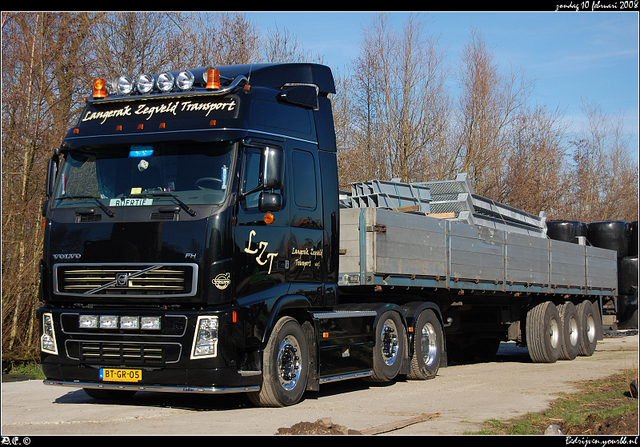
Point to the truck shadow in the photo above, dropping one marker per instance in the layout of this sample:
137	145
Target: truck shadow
508	352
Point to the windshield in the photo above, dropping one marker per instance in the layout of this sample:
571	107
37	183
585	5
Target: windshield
138	175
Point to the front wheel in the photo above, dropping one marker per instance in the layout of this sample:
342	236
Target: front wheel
428	345
284	366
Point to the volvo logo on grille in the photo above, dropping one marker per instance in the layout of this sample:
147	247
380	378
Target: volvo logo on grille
122	280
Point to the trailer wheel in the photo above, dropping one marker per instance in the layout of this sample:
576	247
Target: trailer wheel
587	319
570	331
544	333
284	366
428	345
389	347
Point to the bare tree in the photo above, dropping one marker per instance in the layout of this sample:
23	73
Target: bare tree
535	179
402	102
488	103
604	178
43	59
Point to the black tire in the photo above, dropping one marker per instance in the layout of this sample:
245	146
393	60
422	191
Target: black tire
285	365
570	331
389	348
588	325
544	333
109	394
428	347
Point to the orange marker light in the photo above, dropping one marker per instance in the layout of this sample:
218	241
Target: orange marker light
213	79
99	89
269	218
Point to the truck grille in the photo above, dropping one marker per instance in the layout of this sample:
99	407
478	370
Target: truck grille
144	280
123	353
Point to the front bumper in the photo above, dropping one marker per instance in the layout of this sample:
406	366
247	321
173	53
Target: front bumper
164	358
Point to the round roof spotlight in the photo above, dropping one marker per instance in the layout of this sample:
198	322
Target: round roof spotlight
124	85
145	83
165	82
185	80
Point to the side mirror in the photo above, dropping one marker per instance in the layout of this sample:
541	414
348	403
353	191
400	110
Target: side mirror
269	202
272	168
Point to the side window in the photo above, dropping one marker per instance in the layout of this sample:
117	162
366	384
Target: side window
304	179
251	177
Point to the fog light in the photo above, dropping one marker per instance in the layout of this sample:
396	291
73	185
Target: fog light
88	321
48	339
150	323
129	323
108	322
205	342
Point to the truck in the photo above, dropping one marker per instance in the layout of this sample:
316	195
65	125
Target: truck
196	242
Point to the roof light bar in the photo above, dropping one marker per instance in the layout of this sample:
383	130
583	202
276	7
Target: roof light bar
167	83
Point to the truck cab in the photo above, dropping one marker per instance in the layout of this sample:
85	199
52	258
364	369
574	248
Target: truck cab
185	212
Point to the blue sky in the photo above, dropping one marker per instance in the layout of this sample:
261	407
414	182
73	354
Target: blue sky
574	55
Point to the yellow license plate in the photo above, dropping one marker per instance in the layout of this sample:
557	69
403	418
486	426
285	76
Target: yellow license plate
120	375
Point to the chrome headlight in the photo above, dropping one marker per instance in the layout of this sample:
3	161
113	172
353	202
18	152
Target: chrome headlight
185	80
145	83
48	339
205	342
124	85
165	82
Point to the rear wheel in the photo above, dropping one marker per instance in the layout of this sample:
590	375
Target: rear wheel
389	347
543	332
284	366
570	331
427	347
587	319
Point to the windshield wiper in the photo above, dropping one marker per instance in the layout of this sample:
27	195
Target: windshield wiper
184	206
106	210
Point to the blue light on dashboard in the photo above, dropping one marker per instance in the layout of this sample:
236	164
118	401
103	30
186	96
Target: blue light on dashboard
140	151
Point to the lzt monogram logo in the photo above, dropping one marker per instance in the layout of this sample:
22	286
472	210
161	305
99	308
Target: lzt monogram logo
261	257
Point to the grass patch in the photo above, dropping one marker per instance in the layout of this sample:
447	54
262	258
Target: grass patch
30	369
602	406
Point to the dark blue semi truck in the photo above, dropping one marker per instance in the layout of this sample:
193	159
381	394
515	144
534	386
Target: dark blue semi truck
195	243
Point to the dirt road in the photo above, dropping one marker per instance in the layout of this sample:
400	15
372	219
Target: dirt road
463	395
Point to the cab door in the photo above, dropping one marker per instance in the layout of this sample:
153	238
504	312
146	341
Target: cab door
262	228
